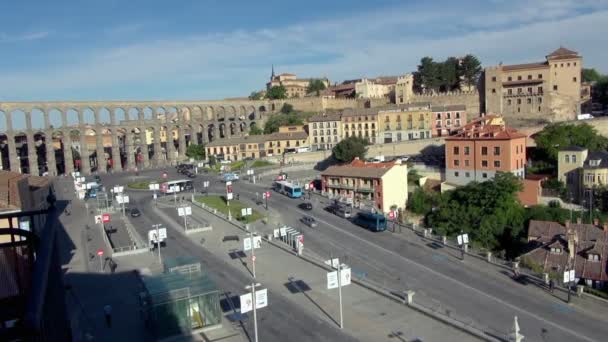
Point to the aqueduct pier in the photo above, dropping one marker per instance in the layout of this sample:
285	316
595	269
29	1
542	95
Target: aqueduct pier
61	137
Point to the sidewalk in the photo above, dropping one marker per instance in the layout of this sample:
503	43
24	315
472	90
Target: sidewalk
368	316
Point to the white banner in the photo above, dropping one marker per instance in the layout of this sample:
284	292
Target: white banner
332	262
243	211
246	244
345	276
332	280
257	242
283	231
97	219
154	186
261	298
246	303
276	233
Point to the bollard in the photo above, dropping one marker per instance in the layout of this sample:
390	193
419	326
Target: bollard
489	256
409	297
444	239
466	247
414	226
579	290
546	278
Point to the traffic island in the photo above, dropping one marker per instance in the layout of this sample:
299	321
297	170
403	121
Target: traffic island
235	207
142	185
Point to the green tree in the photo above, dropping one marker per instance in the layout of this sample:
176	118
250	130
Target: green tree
349	148
422	202
287	108
212	160
591	75
255	130
315	86
277	93
559	135
426	77
470	70
197	152
448	75
256	95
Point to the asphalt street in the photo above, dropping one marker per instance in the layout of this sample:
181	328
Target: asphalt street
285	321
486	298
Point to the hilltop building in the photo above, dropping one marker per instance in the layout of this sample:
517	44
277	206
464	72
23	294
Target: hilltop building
295	87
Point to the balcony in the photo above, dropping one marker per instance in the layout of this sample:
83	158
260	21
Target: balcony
340	186
365	190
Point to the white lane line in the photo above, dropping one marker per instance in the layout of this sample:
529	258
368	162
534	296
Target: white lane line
574	333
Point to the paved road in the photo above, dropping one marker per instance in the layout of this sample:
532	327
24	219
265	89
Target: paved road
285	321
489	298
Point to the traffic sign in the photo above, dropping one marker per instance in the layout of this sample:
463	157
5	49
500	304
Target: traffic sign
97	219
276	233
267	194
100	252
105	218
154	186
184	211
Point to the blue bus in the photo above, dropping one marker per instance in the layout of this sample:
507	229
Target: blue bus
371	221
287	189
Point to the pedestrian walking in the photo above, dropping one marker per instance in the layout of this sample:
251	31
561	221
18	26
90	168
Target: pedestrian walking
551	285
107	310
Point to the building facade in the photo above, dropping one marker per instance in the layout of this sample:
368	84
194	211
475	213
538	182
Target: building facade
295	87
551	88
404	89
582	170
448	119
482	148
362	123
376	88
410	122
287	139
383	185
324	131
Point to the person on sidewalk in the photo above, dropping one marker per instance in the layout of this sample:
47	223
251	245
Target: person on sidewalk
107	310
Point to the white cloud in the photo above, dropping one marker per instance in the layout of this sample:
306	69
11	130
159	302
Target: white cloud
389	41
21	37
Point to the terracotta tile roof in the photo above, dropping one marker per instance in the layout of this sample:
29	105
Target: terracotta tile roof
360	169
251	139
483	128
536	65
287	136
589	239
562	51
326	117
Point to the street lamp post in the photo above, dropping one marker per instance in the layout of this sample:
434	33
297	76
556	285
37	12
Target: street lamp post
253	302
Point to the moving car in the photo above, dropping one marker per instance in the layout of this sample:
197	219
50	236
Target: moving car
305	206
135	212
309	221
340	210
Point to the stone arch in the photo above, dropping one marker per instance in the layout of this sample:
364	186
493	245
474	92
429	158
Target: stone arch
161	113
164	135
222	130
22	147
3	124
209	114
18	119
185	114
4	146
89	150
251	113
37	116
189	135
231	113
133	113
148	113
211	132
59	140
55	118
151	141
72	118
262	109
121	134
233	129
220	113
200	133
88	116
172	114
242	127
40	141
119	115
196	114
103	114
243	113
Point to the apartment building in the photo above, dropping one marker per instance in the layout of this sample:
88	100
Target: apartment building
361	123
375	88
482	148
581	170
324	131
551	87
382	184
409	122
448	119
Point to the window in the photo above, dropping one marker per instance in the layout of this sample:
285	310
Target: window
529	77
529	100
573	79
509	102
519	90
539	109
466	162
539	100
484	163
497	163
449	115
321	125
484	151
328	132
518	101
334	124
568	64
574	63
493	90
574	158
467	150
314	125
493	78
387	119
438	115
555	87
509	91
529	89
456	174
496	150
540	76
519	78
561	65
539	90
467	174
510	78
484	175
456	150
457	115
456	162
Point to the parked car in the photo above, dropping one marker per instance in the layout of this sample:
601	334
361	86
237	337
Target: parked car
305	206
340	210
309	221
135	212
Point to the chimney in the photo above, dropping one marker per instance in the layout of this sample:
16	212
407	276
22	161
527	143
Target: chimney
579	220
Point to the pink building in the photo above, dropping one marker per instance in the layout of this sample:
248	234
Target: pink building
448	119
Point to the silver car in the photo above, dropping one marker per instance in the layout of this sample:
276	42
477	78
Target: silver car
309	221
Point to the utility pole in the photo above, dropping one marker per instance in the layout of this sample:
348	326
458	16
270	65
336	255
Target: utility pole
253	300
252	253
340	293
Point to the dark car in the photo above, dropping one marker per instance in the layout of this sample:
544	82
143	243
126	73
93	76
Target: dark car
191	175
309	221
305	206
135	212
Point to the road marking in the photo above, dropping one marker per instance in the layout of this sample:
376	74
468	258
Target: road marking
574	333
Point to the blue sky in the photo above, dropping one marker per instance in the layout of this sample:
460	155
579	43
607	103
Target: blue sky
144	50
